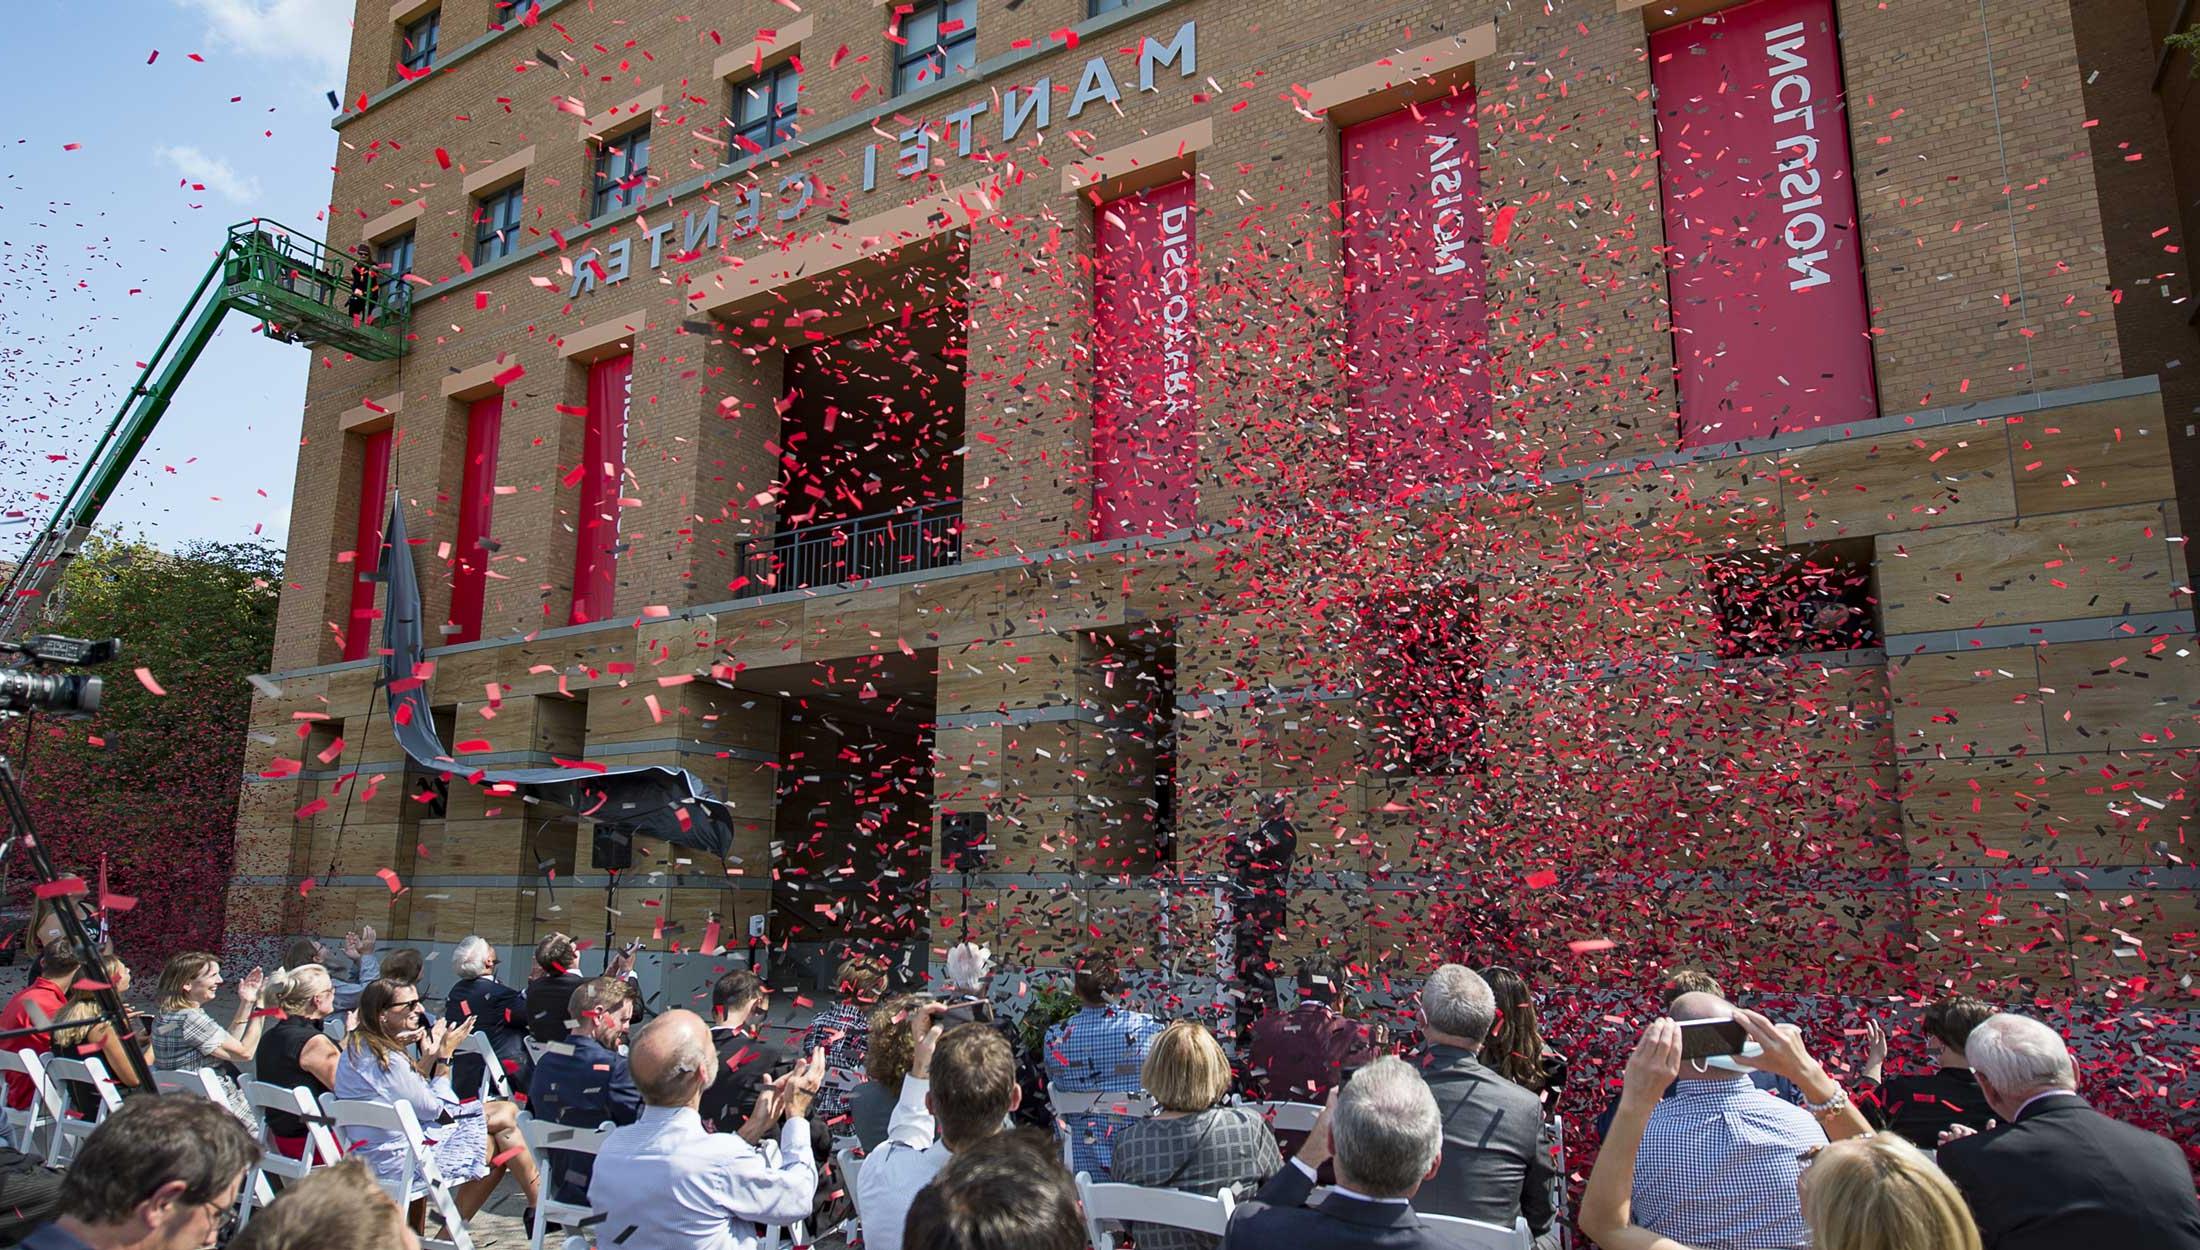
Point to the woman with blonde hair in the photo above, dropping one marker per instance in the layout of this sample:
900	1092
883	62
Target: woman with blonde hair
79	1033
294	1053
185	1037
1192	1143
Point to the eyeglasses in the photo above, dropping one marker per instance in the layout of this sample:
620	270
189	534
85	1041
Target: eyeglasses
410	1002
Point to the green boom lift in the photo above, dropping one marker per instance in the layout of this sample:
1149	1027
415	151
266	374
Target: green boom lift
300	292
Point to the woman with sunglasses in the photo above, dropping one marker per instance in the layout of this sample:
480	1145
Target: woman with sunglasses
1860	1191
379	1064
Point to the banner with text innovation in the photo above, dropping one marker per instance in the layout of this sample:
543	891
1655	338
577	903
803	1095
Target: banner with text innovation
1145	363
603	474
1417	334
1770	323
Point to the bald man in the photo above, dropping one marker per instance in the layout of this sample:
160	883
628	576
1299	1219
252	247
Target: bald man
1719	1160
665	1180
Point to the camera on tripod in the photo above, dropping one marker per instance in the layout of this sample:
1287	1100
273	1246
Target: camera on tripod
22	691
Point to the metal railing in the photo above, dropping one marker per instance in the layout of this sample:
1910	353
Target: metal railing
857	549
308	292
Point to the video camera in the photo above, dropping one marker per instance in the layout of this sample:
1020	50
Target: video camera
22	691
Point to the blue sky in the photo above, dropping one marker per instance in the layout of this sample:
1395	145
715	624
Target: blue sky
100	245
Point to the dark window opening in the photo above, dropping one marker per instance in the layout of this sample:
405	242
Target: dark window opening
1094	8
393	257
496	223
764	110
418	50
1800	600
938	39
622	173
1421	664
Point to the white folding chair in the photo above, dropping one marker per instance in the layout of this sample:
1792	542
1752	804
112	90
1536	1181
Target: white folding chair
67	1074
1287	1117
420	1176
1555	1134
199	1083
31	1128
1475	1235
1107	1203
535	1050
495	1082
848	1161
1126	1104
321	1148
544	1135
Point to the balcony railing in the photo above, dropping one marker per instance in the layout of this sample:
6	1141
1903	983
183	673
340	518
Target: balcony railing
858	549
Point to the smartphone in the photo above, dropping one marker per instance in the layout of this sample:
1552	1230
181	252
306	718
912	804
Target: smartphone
1701	1039
964	1011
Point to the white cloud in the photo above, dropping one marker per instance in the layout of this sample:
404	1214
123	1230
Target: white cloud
316	34
211	172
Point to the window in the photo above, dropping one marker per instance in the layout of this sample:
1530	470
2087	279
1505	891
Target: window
1094	8
940	38
496	223
393	259
1801	600
763	111
418	52
503	13
622	173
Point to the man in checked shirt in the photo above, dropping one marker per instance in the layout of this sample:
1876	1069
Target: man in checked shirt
844	1030
1099	1050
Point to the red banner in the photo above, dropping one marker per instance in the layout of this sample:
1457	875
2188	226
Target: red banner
602	469
476	501
1417	323
1770	325
366	543
1145	363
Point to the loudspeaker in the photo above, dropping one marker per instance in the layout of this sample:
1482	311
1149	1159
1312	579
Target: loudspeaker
613	850
962	842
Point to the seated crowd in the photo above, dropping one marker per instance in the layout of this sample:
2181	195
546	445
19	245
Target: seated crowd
716	1134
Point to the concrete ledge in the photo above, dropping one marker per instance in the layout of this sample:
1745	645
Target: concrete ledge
1136	166
379	228
1402	77
620	118
372	415
766	270
490	377
606	338
761	53
493	177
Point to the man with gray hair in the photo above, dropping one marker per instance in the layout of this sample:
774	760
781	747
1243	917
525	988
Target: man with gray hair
665	1180
499	1013
2057	1173
1384	1132
1495	1168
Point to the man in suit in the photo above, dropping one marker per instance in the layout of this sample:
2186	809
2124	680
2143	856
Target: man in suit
747	1062
584	1081
499	1013
1387	1139
2057	1173
1495	1168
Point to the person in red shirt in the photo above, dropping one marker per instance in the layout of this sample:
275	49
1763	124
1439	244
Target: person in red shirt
1300	1055
35	1007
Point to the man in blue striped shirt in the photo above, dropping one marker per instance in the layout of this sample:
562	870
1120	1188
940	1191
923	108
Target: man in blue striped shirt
1100	1049
1720	1158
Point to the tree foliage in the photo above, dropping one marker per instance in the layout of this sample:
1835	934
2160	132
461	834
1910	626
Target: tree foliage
151	781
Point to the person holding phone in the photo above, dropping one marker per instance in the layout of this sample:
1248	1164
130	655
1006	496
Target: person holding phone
1719	1160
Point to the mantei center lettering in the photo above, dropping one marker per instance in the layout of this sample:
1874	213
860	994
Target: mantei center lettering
1022	107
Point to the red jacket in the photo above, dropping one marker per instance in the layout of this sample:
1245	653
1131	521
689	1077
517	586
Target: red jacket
33	1007
1298	1055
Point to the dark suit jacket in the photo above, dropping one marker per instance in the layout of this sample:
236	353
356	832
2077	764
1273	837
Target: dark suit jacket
499	1013
581	1085
2064	1175
1494	1168
549	1003
1277	1216
744	1064
1923	1106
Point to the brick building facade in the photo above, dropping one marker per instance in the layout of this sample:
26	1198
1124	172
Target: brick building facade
1986	787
